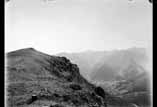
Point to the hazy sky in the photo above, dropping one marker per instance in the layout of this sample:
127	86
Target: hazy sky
54	26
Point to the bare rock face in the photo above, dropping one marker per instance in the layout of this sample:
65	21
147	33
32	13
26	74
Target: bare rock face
35	78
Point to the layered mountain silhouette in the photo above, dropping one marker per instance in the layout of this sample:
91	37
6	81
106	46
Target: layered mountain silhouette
120	72
37	79
108	64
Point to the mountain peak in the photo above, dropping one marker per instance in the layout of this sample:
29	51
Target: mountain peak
23	52
30	49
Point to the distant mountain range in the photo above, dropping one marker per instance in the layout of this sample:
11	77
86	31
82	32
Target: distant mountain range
110	65
119	72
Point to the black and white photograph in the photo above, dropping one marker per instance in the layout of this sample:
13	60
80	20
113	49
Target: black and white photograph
78	53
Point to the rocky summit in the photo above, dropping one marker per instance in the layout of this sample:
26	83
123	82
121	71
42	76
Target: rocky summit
36	79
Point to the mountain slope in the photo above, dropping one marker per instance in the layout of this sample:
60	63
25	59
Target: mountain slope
52	80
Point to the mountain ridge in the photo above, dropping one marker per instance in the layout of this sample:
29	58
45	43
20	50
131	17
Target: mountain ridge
53	80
